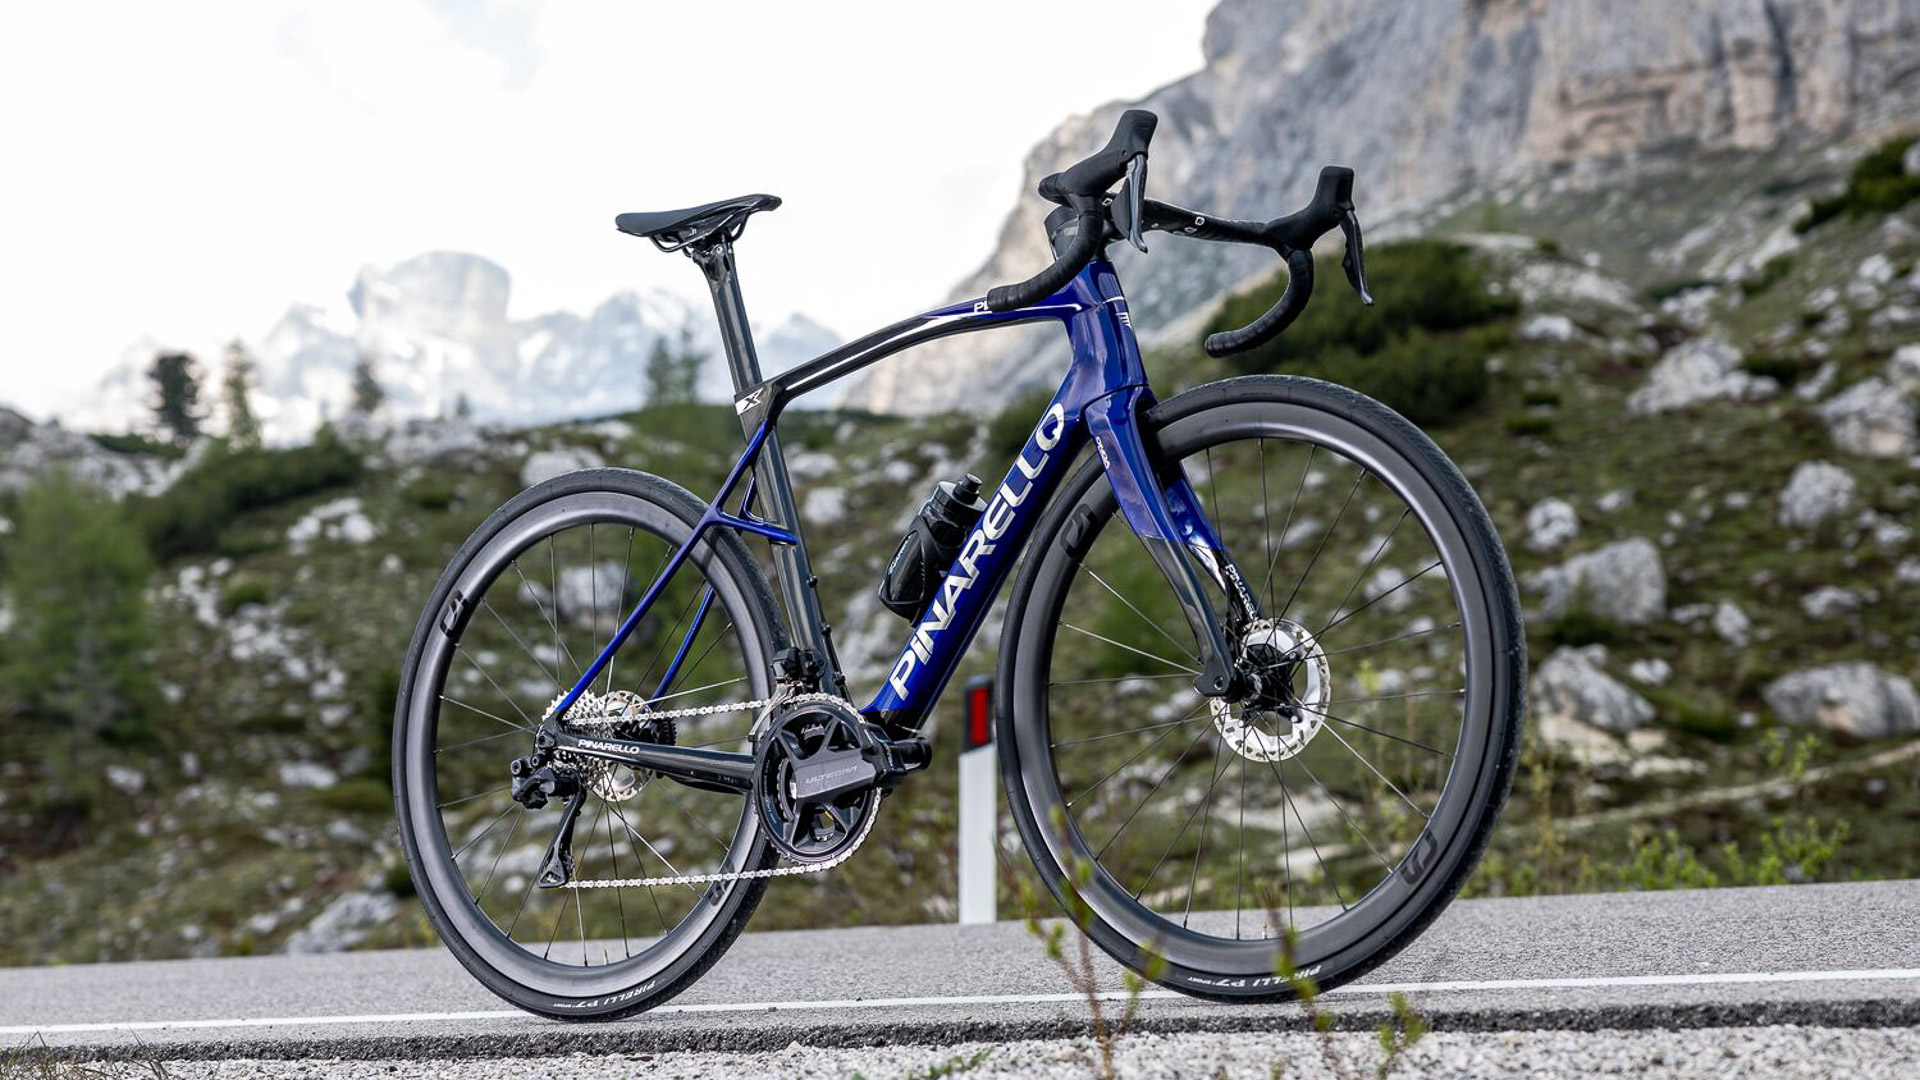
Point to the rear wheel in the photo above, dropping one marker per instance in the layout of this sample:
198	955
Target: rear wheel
1320	826
527	603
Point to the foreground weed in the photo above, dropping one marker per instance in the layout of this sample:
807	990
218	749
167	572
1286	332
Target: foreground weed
35	1060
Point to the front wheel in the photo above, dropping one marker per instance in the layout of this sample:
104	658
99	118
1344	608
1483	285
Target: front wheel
1316	827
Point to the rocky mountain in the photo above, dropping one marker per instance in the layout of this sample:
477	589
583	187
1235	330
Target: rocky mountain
437	330
1434	103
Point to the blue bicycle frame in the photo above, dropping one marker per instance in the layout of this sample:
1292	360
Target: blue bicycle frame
1102	399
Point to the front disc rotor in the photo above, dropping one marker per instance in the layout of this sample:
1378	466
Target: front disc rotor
1290	709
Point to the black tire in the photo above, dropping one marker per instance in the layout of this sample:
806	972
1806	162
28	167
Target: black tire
663	513
1474	777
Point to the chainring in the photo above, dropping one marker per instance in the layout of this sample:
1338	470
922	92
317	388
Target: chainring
815	778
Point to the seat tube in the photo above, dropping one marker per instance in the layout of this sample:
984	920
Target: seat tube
792	567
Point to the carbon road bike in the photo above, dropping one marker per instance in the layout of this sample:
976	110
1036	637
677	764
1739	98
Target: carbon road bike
1260	680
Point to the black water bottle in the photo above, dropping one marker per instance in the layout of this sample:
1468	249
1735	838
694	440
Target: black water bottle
930	545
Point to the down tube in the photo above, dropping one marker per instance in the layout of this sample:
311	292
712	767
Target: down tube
945	629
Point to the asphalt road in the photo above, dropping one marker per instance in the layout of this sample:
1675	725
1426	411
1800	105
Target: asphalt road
1832	956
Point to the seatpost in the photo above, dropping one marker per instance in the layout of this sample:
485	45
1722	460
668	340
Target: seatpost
797	582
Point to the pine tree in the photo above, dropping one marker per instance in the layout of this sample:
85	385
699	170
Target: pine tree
243	428
176	403
673	371
74	660
368	395
462	408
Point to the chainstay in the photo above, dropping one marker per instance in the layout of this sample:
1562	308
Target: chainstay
672	714
789	870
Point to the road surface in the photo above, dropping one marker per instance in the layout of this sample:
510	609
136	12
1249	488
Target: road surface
1826	956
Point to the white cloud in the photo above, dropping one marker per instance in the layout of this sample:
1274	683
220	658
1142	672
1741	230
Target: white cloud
186	170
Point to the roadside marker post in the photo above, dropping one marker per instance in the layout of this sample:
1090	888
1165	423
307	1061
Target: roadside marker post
979	783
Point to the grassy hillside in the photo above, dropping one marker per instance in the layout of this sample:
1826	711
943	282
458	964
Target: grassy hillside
284	587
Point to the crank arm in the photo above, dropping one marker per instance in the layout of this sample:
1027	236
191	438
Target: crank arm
709	770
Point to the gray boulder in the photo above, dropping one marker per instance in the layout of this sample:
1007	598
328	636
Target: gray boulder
1571	685
1730	623
1815	492
1701	369
1829	601
1624	582
345	922
546	464
1550	524
1871	418
1910	161
1854	698
1903	371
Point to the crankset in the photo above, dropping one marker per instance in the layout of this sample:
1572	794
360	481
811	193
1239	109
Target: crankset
819	773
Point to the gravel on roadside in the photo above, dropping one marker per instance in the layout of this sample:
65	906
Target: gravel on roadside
1786	1053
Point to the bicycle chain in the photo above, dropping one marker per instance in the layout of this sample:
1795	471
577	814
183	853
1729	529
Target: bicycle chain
790	870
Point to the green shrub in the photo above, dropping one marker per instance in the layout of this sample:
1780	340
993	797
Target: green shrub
1579	625
1766	275
1784	369
435	496
357	795
1421	349
1878	185
1527	424
1667	290
139	445
243	592
1544	398
1703	715
191	515
1007	432
1418	285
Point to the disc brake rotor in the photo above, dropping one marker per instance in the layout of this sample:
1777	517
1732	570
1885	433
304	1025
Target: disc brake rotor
1280	721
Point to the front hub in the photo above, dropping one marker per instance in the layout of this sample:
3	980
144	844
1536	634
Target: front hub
1290	685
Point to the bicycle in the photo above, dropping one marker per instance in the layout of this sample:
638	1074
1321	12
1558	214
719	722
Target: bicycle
1378	705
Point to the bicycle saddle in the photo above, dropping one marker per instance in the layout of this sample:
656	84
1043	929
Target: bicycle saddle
676	228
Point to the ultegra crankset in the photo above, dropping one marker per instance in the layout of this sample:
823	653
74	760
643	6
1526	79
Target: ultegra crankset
819	771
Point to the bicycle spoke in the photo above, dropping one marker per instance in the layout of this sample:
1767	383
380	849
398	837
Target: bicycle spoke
496	689
524	728
553	575
1273	558
531	655
1376	731
1424	816
1135	756
619	895
1129	648
1157	628
470	798
1362	576
484	738
1403	584
511	807
508	843
1325	871
1322	546
1328	792
1461	692
1130	731
1213	777
1387	641
1113	679
1155	790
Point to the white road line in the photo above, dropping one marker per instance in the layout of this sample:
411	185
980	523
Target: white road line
1701	979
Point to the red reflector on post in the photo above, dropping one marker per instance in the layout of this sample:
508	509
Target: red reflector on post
979	699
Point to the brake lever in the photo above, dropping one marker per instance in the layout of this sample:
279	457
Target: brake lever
1136	196
1354	262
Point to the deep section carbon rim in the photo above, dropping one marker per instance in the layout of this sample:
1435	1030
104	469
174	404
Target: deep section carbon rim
1211	831
544	593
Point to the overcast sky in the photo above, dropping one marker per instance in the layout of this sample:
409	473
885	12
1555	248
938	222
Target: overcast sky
185	170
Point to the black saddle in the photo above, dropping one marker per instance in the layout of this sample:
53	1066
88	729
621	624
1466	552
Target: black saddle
674	229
